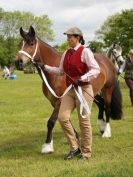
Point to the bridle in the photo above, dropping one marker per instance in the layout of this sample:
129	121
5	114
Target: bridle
27	54
115	57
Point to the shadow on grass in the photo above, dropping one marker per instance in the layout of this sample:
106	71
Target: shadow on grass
27	145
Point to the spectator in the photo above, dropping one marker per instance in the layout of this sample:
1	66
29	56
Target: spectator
6	72
127	67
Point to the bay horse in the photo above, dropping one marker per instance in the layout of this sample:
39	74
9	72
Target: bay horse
36	51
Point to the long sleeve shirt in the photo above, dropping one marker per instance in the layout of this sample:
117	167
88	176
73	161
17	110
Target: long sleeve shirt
87	57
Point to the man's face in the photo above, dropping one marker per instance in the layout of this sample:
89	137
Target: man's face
72	40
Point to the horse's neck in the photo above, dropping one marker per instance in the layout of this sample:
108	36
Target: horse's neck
48	55
108	54
51	57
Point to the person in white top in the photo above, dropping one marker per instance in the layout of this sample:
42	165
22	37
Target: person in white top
80	67
6	72
87	57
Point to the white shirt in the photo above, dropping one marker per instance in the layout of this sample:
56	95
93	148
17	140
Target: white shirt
87	57
6	71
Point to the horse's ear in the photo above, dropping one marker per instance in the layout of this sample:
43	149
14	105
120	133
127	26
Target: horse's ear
32	31
119	43
114	44
22	33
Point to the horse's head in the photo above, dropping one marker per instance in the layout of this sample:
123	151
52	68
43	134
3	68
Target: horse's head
29	46
115	54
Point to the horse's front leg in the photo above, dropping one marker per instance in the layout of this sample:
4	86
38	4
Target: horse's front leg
47	147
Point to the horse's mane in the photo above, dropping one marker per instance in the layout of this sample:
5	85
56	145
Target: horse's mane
109	52
49	46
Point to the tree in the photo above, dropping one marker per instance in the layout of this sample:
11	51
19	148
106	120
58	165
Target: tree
61	48
96	46
10	23
118	28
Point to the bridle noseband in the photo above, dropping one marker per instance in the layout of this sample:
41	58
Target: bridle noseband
27	54
116	58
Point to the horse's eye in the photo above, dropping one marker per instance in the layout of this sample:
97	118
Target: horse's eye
114	52
31	43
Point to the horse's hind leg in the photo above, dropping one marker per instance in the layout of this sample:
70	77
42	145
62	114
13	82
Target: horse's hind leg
100	121
107	130
47	147
107	94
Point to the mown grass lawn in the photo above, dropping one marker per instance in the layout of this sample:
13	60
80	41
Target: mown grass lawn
24	112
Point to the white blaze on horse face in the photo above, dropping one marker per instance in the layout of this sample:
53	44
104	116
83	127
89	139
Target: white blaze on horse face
118	55
28	52
115	55
24	53
24	58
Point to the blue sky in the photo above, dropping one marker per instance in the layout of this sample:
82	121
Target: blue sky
88	15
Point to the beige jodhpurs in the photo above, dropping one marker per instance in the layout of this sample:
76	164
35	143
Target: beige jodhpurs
68	103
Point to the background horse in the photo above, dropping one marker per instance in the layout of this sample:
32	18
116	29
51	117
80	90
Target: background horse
114	53
35	50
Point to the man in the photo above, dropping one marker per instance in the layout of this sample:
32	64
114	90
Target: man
6	73
80	67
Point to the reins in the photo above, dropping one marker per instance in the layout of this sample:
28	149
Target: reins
36	63
83	89
83	102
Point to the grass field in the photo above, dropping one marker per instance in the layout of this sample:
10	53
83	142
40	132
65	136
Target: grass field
24	112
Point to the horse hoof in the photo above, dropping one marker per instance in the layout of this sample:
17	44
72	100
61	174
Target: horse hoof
106	135
47	148
107	132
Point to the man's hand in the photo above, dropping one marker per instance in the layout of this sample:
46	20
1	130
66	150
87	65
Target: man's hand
41	65
76	82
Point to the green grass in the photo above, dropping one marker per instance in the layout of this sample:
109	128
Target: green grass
24	112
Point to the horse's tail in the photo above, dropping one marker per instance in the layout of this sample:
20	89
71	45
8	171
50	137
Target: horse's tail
116	102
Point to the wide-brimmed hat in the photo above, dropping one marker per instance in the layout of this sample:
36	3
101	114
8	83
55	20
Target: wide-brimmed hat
131	51
74	30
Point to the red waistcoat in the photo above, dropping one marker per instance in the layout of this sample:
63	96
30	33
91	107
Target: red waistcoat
73	65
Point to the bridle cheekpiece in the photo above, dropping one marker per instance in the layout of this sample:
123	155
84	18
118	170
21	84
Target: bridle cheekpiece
27	54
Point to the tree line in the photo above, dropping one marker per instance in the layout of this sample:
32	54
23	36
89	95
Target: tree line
116	28
10	23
